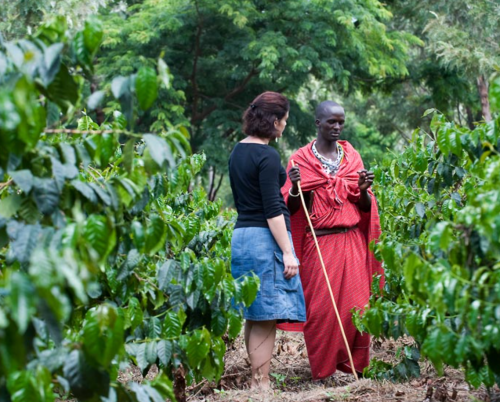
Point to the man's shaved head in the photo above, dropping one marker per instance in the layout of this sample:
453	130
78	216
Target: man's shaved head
324	107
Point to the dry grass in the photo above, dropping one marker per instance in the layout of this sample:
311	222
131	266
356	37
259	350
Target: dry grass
292	380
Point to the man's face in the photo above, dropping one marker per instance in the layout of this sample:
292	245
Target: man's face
331	124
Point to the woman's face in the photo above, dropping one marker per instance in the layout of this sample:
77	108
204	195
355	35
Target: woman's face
280	125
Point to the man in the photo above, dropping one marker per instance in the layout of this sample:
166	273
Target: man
345	218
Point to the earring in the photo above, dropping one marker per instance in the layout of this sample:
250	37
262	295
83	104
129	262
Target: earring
276	139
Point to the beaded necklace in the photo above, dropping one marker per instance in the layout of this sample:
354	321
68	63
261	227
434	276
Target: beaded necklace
330	166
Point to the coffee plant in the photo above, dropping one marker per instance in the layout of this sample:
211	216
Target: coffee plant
109	252
440	214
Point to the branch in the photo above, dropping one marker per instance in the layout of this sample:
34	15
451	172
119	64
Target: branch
218	187
81	132
197	54
236	91
6	184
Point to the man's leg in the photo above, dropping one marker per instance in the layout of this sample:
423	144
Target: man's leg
259	339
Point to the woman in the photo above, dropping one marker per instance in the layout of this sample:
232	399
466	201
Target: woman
262	242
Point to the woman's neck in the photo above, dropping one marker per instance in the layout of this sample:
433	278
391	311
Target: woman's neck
255	140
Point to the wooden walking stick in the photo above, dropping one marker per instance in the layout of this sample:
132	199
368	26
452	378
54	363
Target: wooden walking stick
326	277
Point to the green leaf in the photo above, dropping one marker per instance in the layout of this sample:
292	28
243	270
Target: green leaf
24	179
85	381
154	328
102	193
22	300
81	51
120	86
235	325
85	189
431	348
198	347
97	234
24	239
63	90
134	312
473	377
103	334
106	149
29	386
10	205
159	150
146	87
46	195
140	356
249	287
172	325
51	63
219	323
155	235
428	111
420	208
128	155
92	34
138	236
151	352
164	73
166	273
164	349
95	100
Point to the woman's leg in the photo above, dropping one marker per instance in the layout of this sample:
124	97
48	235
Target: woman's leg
259	339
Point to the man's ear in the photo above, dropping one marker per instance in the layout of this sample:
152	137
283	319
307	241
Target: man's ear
316	122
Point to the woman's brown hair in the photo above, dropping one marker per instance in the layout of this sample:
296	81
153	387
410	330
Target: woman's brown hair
259	118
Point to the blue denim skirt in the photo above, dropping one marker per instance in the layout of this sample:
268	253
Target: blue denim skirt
254	250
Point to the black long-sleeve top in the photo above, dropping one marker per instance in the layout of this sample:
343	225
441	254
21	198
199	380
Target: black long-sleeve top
256	177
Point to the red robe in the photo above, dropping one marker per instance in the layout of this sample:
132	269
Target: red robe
348	261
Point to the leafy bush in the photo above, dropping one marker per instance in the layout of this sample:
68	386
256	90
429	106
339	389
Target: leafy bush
108	251
440	211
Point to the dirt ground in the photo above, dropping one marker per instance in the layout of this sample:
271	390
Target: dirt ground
292	380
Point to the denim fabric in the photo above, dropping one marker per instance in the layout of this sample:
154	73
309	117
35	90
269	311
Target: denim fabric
254	250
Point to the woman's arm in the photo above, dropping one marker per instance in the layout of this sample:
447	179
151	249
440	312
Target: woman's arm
271	196
277	226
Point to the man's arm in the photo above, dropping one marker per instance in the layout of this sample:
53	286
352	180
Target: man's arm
365	181
294	203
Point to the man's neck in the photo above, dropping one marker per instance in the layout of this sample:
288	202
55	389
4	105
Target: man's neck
326	148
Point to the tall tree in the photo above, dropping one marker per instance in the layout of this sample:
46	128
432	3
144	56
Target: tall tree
464	35
20	17
224	53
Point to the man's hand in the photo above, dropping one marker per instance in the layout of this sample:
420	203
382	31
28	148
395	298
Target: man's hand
294	174
365	179
291	266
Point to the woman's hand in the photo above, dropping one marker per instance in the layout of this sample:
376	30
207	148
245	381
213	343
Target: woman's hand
291	266
365	179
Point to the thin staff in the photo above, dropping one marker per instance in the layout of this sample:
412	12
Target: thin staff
326	277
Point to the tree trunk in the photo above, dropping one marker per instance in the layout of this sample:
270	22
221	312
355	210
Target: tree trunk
215	190
100	117
482	86
211	181
470	118
180	384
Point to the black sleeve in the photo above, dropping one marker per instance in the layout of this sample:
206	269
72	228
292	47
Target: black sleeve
269	170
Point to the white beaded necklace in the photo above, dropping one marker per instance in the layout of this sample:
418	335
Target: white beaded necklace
330	166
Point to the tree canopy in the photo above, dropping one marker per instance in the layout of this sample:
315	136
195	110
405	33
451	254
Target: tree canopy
224	53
